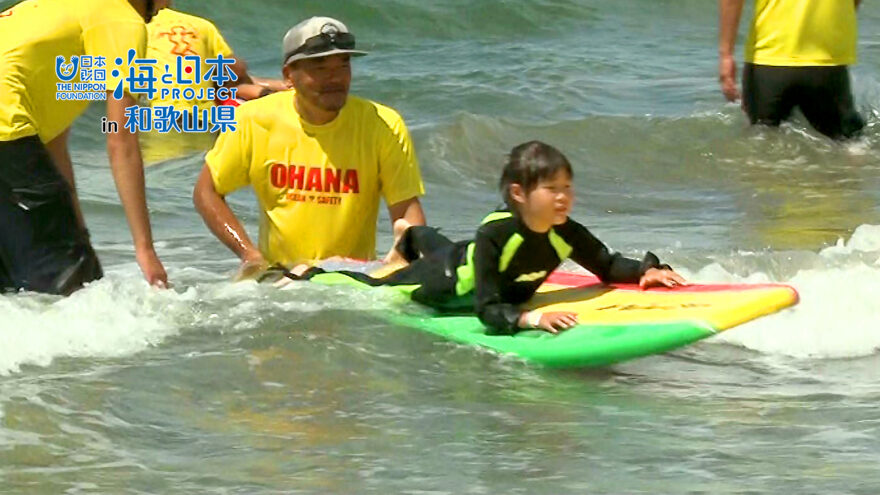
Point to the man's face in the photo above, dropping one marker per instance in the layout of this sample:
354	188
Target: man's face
323	82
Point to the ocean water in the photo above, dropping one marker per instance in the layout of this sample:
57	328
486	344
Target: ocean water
221	387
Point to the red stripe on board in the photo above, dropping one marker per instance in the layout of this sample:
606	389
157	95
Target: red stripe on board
581	279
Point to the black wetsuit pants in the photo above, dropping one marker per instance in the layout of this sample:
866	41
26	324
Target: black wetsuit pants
433	260
42	246
823	94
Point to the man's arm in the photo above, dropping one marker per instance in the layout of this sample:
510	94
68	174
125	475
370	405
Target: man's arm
729	15
61	158
128	173
409	210
273	85
245	87
225	225
250	88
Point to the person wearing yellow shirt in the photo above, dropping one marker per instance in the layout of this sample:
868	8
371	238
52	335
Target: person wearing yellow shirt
44	245
317	158
173	34
796	55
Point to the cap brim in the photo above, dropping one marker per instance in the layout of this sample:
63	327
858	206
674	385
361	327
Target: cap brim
335	51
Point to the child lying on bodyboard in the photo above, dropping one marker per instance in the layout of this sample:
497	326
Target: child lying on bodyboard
514	251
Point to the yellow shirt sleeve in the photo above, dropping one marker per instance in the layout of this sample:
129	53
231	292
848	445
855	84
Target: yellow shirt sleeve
230	159
113	40
398	166
218	44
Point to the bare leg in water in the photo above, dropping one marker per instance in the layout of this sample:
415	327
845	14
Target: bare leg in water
393	258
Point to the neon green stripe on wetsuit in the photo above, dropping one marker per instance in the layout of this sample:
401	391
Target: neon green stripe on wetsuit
465	272
505	277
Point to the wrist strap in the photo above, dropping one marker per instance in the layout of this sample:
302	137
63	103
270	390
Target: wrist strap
533	318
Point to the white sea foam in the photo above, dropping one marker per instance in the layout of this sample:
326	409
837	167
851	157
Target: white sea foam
120	315
838	315
115	316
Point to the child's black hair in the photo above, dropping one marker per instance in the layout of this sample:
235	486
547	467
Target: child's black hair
530	163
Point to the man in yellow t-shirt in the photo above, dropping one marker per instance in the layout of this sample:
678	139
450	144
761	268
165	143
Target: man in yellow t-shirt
317	159
44	245
173	34
796	55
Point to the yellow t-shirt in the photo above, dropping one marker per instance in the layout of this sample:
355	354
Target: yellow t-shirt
318	186
803	33
33	33
174	34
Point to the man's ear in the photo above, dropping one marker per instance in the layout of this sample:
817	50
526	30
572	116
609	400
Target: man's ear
287	72
517	193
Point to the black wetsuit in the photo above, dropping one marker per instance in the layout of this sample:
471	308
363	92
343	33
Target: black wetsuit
501	268
42	246
823	94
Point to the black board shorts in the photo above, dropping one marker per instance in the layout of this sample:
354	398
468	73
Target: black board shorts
42	246
770	94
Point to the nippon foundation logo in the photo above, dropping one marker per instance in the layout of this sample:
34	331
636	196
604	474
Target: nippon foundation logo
83	78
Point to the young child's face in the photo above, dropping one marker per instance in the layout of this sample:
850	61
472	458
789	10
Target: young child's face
551	201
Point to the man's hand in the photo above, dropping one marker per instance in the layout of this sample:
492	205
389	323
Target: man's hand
151	267
727	77
728	24
656	277
252	265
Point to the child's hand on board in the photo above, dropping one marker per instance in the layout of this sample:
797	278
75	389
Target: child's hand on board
549	322
655	277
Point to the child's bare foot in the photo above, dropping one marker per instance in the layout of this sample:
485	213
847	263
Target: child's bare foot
393	257
298	270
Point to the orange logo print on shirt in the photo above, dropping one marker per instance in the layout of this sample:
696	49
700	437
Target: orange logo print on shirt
182	38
